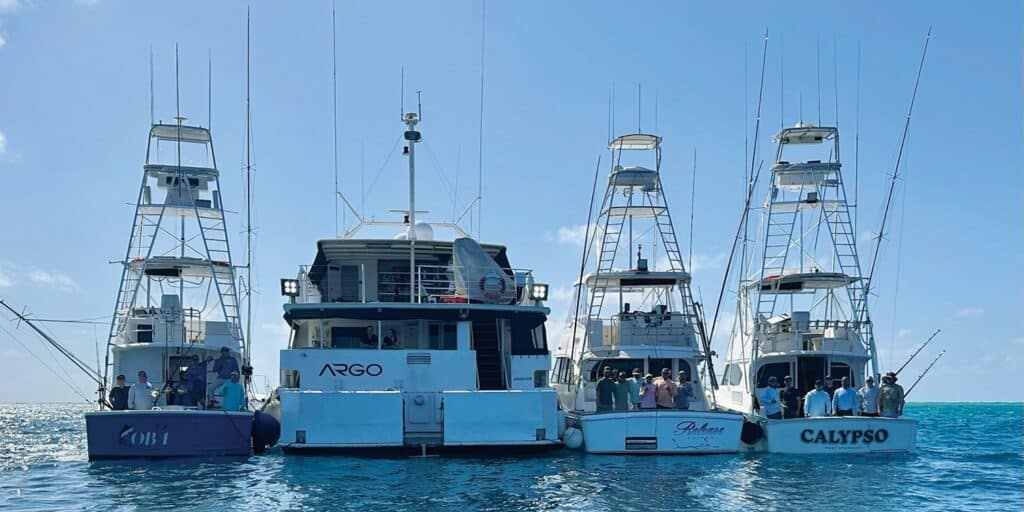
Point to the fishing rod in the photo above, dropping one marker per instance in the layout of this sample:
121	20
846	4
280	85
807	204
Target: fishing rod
892	181
918	351
82	365
925	372
583	262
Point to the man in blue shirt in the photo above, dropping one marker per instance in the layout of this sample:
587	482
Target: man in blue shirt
769	399
817	402
233	394
634	388
685	392
844	400
225	365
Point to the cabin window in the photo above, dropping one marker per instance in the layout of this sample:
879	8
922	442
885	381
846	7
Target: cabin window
733	375
684	366
443	336
526	342
562	373
626	365
840	370
767	371
654	366
144	333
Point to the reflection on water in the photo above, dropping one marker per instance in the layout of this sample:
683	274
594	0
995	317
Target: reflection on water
968	456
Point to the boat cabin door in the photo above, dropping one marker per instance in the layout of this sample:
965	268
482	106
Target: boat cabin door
808	370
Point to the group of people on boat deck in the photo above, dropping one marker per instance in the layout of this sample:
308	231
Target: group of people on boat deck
842	400
615	392
141	396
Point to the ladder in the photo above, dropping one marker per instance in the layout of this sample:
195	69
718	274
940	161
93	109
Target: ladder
778	240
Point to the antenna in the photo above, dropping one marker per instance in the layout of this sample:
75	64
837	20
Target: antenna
480	135
655	111
334	95
856	149
817	58
419	104
639	107
693	196
402	93
209	89
152	116
248	195
782	81
609	114
835	75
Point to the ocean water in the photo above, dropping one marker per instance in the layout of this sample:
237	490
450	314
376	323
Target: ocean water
969	457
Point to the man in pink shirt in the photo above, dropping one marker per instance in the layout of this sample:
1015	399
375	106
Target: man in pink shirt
665	390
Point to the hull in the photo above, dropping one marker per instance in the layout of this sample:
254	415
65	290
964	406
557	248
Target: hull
660	432
847	434
168	433
391	420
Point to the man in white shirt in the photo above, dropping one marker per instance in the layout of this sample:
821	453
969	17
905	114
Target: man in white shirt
844	400
769	399
140	396
868	396
817	402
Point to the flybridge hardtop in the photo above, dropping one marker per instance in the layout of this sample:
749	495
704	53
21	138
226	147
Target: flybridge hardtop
802	313
412	342
650	325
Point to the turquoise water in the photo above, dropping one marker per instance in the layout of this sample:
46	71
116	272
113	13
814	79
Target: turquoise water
969	457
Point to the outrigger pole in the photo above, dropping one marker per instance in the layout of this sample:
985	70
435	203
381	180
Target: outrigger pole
583	263
892	181
918	351
88	370
925	372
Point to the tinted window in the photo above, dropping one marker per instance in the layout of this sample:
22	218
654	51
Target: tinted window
625	365
684	366
777	370
654	366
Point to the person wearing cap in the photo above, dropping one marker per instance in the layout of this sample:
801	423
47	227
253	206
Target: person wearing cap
844	400
225	365
606	391
140	396
635	383
817	403
233	394
119	395
868	396
684	393
665	390
890	397
648	393
195	381
790	397
768	397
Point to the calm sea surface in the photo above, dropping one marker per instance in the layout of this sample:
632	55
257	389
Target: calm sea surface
969	457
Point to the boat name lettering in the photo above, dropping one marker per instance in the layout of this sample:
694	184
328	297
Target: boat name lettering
354	370
690	427
131	437
866	436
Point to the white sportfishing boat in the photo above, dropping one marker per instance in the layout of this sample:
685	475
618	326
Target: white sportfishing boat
652	323
412	343
802	308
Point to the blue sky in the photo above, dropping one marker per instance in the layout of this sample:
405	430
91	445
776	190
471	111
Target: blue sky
74	113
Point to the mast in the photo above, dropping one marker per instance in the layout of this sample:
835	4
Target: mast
411	119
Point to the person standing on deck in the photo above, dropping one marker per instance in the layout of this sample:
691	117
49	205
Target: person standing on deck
648	393
890	397
665	390
868	396
817	402
140	396
830	386
635	384
195	381
119	395
685	393
233	393
771	406
606	391
621	392
790	397
844	401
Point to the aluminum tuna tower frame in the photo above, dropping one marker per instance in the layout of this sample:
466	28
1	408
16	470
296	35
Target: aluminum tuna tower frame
181	237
